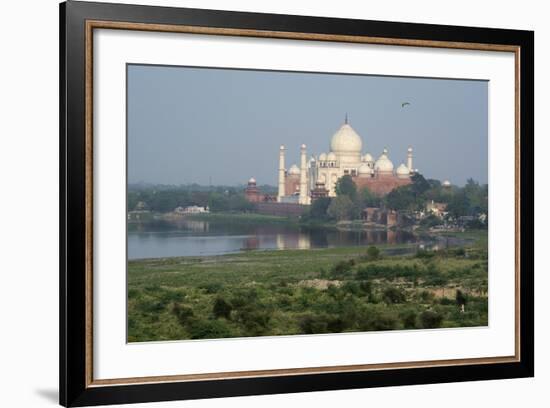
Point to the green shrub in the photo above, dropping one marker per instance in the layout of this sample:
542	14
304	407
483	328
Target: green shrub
363	273
313	324
211	288
459	252
376	320
393	295
255	320
408	318
170	296
430	319
209	329
445	301
221	308
184	314
366	288
426	296
424	254
342	269
244	298
373	253
153	307
352	288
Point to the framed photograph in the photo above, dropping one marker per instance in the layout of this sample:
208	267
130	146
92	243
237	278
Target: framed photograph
256	204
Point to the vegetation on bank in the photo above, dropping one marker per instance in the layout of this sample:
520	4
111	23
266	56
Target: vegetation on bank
470	200
243	218
302	292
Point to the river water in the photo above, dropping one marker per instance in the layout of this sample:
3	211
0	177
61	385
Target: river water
160	239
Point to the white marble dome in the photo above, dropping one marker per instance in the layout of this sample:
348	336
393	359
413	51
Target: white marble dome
346	140
331	156
384	164
364	169
294	170
322	157
367	158
446	183
402	171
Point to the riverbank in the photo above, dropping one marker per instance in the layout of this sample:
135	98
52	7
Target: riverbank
296	292
243	218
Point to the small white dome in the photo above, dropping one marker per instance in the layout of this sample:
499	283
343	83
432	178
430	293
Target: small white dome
331	156
346	140
402	171
364	169
446	183
384	164
252	180
367	158
322	157
294	170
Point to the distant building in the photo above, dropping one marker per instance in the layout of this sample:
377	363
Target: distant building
252	193
380	216
192	209
141	206
437	209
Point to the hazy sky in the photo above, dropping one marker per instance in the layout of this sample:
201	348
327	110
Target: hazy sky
196	125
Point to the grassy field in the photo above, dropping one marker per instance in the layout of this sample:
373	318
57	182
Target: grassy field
286	292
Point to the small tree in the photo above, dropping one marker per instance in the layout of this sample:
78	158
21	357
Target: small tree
368	199
373	253
341	208
408	317
346	187
318	208
184	314
221	308
393	295
430	319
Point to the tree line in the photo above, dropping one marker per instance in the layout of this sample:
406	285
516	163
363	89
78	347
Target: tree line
470	200
162	200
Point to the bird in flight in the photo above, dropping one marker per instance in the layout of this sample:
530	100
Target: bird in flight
403	104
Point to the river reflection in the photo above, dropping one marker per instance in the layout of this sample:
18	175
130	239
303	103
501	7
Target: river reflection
199	238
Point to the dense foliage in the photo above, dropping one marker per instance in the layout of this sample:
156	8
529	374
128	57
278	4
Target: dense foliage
167	198
297	292
470	200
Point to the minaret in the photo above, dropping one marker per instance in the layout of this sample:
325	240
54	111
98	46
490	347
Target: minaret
303	176
281	192
410	159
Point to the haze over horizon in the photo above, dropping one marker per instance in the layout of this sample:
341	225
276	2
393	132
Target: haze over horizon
223	126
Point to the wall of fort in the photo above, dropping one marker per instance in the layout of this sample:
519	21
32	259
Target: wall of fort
380	185
281	209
